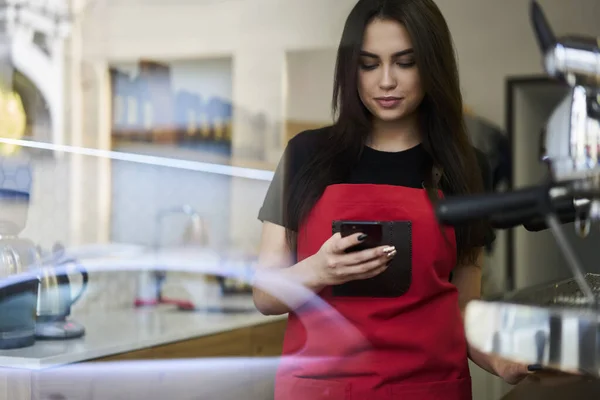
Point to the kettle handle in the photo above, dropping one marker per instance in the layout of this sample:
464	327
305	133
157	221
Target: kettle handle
84	282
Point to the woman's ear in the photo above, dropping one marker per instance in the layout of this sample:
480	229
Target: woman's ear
437	172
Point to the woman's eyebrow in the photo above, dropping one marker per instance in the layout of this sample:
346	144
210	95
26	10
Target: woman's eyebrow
364	53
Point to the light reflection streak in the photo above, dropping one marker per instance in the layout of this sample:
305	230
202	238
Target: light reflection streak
220	169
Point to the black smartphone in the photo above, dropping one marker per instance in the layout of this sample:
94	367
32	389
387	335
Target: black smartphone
373	230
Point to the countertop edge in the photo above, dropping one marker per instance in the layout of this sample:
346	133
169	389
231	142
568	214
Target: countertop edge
25	363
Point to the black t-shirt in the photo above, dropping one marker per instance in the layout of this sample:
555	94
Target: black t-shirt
405	168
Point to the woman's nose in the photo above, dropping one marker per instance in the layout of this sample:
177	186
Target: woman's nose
387	81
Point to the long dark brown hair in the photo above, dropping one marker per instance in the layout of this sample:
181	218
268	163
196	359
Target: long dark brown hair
443	130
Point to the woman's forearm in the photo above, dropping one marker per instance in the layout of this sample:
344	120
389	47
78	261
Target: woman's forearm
479	358
467	279
278	291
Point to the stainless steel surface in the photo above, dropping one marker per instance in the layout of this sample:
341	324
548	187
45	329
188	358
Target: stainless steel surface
572	260
562	338
554	325
562	294
573	137
577	59
52	296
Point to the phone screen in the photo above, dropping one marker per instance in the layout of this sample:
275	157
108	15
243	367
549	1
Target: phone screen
373	230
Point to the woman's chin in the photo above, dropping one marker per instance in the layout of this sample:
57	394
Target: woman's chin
390	116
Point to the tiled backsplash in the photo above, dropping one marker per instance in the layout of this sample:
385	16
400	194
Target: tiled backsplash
106	291
48	219
140	192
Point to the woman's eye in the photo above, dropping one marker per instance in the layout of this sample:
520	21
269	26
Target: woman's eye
406	64
368	67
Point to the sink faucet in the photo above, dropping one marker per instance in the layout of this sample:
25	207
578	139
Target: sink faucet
151	283
196	232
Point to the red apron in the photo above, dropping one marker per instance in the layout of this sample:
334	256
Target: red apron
412	343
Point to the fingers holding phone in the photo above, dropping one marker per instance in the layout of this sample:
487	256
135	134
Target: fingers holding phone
353	255
365	264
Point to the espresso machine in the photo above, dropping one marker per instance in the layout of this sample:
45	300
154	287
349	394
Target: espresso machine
554	327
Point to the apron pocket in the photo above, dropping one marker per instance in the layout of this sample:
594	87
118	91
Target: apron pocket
458	389
396	279
313	389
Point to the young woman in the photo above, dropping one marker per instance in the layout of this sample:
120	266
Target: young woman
397	145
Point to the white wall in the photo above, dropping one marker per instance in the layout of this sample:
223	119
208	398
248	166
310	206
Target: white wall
310	84
211	77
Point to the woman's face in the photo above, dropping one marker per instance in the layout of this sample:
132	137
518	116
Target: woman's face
388	80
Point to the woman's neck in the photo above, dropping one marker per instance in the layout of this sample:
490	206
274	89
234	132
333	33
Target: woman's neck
394	136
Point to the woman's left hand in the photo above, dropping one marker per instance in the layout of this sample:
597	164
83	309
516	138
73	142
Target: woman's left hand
510	371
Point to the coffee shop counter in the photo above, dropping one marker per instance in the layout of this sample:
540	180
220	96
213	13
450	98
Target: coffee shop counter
151	353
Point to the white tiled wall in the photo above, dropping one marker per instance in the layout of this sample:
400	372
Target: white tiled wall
48	220
141	191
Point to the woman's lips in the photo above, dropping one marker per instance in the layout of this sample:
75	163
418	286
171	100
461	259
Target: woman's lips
388	102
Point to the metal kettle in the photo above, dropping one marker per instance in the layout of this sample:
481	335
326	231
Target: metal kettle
18	281
55	298
18	292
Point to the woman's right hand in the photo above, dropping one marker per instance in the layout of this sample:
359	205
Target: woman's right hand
333	266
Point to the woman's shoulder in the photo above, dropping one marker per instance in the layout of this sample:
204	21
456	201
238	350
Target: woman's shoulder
308	140
301	148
